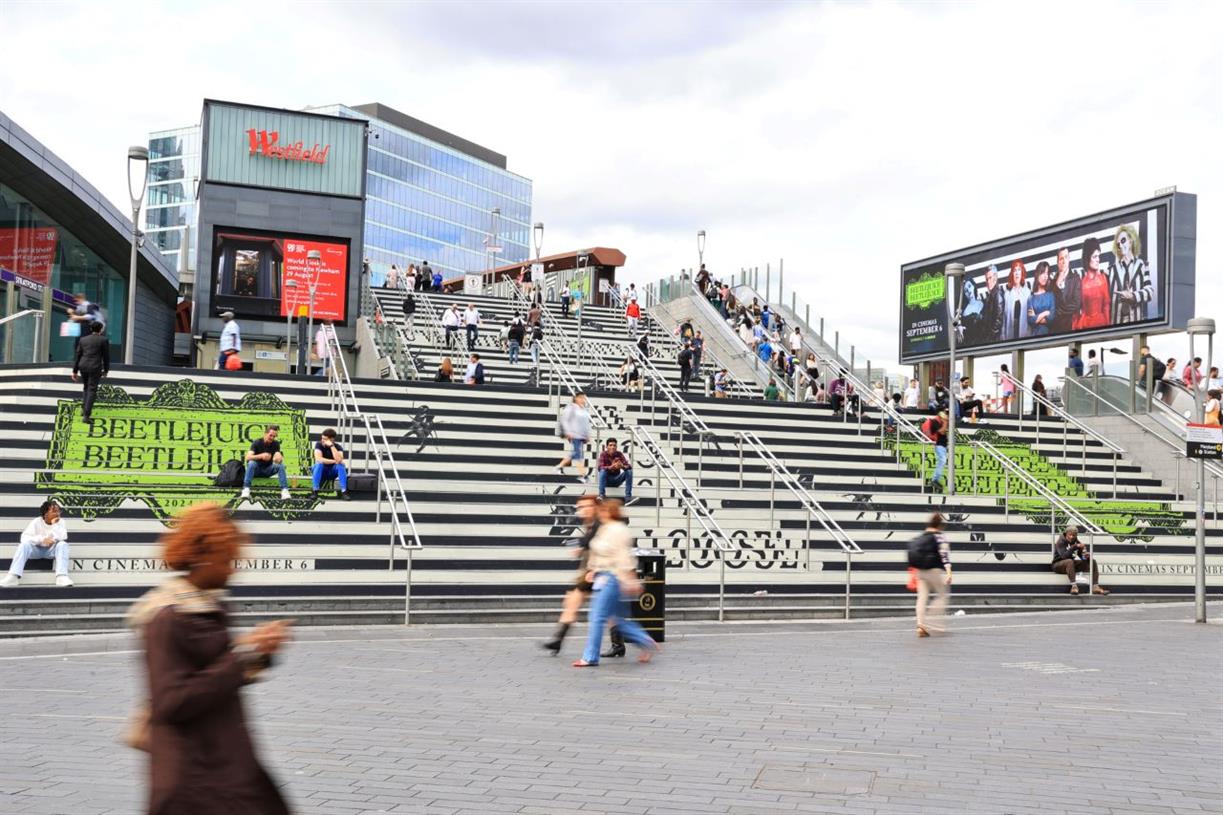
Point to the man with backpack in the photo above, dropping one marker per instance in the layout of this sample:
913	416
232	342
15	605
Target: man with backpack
685	366
930	557
935	429
574	427
1157	369
409	312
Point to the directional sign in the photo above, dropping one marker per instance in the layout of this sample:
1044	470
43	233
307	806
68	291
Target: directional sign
1203	440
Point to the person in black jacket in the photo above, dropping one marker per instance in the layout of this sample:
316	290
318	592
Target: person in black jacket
92	362
409	313
685	365
993	309
930	556
1071	556
587	510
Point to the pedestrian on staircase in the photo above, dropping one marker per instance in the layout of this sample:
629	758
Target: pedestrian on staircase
516	336
45	537
574	427
632	314
685	365
698	348
471	319
537	336
930	555
426	275
409	281
409	312
451	318
935	429
90	364
437	279
565	300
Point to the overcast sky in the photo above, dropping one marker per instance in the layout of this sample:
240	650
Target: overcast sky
845	138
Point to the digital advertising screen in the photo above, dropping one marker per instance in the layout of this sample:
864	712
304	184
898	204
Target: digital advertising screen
1106	276
29	251
251	273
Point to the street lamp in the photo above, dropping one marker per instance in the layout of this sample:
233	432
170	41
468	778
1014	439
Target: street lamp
539	238
954	272
700	246
137	167
1200	326
289	284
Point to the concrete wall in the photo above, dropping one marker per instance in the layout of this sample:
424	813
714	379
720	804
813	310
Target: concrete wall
718	337
1152	455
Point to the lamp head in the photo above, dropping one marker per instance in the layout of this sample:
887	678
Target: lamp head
1200	326
954	270
137	152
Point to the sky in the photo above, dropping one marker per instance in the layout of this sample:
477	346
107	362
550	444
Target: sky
844	138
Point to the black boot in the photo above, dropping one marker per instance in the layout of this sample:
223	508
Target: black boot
554	644
617	643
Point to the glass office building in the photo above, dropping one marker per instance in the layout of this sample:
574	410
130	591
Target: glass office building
429	196
169	216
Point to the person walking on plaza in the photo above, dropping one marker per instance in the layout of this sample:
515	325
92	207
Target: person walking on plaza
201	757
89	365
450	322
329	466
1071	556
264	460
471	319
612	571
614	470
44	538
587	511
231	339
632	315
575	429
1007	383
930	555
685	365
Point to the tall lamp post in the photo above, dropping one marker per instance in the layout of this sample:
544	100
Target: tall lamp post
700	246
314	263
954	272
137	168
537	235
290	284
1201	326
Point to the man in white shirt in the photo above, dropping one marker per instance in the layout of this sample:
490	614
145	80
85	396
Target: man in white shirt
231	339
912	394
450	322
471	318
46	537
796	341
474	375
970	405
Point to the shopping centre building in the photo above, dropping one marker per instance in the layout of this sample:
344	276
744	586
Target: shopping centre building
60	236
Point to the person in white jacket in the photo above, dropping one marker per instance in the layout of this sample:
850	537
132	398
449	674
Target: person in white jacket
45	537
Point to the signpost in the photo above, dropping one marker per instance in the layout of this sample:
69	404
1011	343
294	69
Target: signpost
1203	440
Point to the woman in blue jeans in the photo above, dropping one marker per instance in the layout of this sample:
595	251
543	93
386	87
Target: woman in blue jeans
613	571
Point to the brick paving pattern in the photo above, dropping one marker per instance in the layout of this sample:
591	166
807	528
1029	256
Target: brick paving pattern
1114	711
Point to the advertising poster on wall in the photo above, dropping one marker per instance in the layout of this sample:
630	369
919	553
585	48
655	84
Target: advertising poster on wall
29	252
1101	277
252	272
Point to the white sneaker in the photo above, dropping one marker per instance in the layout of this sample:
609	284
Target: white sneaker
558	470
10	581
285	495
246	492
630	501
64	581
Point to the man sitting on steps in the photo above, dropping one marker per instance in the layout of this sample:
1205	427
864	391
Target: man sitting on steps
329	465
45	537
1071	556
264	460
614	470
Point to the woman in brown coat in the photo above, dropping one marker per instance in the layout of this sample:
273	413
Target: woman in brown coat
202	759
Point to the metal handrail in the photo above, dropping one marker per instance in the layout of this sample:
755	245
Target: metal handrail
849	547
751	358
348	411
38	315
554	333
400	348
19	315
688	498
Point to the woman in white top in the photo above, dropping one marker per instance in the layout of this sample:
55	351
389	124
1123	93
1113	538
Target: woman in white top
612	569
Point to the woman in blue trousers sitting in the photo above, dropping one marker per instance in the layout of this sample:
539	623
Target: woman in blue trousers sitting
613	571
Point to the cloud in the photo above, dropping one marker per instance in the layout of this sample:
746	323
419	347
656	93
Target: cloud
846	138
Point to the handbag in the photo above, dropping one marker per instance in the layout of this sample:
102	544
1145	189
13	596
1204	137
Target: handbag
233	362
912	584
70	328
137	733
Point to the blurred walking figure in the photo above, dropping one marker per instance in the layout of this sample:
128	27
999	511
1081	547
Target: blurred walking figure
587	510
612	571
930	555
201	759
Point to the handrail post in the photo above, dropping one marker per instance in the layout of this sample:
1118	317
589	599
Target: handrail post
658	488
740	462
772	499
1006	494
974	469
1115	457
849	564
807	540
407	590
722	585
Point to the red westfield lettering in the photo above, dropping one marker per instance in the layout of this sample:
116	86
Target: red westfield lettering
267	143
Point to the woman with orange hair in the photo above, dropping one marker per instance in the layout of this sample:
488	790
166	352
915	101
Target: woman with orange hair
1015	303
202	761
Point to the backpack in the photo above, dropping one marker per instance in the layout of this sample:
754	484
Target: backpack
1158	368
923	552
231	474
560	423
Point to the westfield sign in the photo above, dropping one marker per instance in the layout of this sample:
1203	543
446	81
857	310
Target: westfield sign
267	143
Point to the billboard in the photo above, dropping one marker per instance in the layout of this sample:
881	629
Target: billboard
1114	274
253	146
29	251
251	270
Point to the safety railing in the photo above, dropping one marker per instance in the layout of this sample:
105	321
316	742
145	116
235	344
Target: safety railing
391	338
694	507
679	418
1067	420
709	356
561	342
14	341
349	416
811	507
1161	433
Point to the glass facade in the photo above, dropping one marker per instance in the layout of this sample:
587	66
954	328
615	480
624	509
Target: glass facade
39	248
174	166
426	201
423	200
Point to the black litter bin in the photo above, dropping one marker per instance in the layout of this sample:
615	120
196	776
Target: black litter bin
650	607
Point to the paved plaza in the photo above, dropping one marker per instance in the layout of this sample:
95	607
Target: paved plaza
1111	711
